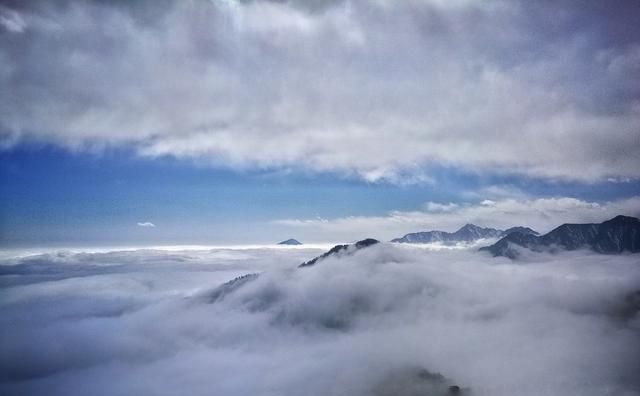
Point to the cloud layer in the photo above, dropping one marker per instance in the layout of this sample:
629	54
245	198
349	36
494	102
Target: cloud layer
361	325
375	88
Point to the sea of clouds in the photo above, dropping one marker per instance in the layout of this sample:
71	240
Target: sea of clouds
387	320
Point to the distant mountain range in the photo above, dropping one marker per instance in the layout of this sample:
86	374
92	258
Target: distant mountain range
620	234
291	242
468	233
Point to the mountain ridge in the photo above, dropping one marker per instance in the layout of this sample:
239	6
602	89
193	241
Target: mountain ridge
467	233
340	250
617	235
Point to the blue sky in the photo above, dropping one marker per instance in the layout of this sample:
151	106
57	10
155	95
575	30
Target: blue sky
233	121
54	196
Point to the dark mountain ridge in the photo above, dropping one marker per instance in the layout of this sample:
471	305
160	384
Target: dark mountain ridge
341	250
620	234
520	229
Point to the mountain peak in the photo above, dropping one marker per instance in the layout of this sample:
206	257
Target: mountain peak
469	226
620	219
291	242
520	229
471	232
340	250
366	242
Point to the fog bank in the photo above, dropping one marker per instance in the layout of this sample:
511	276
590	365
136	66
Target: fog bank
386	320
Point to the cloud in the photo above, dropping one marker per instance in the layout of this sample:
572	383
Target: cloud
146	224
541	214
11	21
557	325
383	90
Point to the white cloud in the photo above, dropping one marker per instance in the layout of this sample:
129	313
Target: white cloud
439	207
542	214
378	89
146	224
556	325
11	20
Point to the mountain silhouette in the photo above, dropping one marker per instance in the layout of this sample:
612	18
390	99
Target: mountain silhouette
620	234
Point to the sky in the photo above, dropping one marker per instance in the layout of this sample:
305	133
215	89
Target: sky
228	121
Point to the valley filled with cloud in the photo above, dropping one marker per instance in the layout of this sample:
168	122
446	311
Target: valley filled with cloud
387	320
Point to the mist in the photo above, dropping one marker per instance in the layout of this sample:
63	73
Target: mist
377	322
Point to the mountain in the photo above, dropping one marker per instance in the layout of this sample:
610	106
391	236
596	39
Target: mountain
622	233
220	292
508	246
341	250
522	230
471	232
468	233
424	237
291	242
